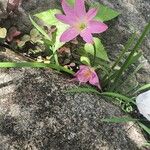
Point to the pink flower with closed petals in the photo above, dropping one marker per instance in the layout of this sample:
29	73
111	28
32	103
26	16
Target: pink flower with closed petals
81	22
87	74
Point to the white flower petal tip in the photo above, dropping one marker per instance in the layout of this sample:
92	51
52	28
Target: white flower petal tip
143	104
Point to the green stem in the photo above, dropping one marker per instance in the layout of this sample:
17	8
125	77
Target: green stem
94	59
125	65
55	55
127	46
34	65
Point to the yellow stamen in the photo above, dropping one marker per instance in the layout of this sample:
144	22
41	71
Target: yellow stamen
82	26
87	74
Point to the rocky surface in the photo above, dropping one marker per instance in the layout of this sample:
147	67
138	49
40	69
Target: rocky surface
36	114
135	14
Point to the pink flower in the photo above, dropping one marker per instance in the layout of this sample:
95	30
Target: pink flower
87	74
81	22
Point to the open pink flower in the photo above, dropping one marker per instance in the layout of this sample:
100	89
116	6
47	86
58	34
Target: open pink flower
87	74
81	22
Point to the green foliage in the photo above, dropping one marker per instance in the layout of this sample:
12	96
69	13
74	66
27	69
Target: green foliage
49	18
143	88
71	2
119	120
100	50
34	65
117	96
41	30
146	145
85	60
82	90
105	13
133	56
144	127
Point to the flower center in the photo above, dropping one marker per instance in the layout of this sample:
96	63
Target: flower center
82	26
87	74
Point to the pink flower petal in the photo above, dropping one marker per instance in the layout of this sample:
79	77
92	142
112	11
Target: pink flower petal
94	80
84	67
66	8
69	34
82	79
97	27
81	75
87	36
91	14
79	8
64	19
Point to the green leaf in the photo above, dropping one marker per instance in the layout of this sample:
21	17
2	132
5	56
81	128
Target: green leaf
71	2
144	87
124	50
105	13
117	95
146	144
145	128
34	65
119	120
109	94
49	18
82	90
85	60
133	59
40	29
100	50
129	58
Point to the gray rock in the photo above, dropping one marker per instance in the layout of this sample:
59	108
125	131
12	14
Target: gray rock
35	113
134	16
20	19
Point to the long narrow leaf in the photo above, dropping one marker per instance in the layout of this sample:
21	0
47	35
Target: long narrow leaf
147	144
144	87
145	128
40	29
127	46
134	59
117	95
119	120
82	90
33	65
108	94
139	42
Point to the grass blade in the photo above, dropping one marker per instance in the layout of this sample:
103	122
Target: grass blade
108	94
144	87
124	66
117	95
82	90
145	128
119	120
34	65
127	46
39	29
